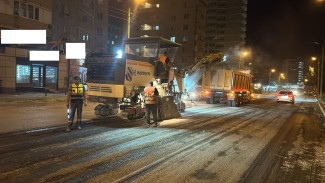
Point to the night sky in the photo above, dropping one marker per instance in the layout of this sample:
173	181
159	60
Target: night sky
280	29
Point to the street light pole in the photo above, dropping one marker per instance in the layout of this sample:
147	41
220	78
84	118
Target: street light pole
271	71
322	71
320	74
129	22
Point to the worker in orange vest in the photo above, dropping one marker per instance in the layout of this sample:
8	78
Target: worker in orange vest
164	59
162	68
151	100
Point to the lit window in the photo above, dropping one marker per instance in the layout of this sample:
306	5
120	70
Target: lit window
22	74
173	38
113	42
157	5
146	27
157	27
51	75
147	5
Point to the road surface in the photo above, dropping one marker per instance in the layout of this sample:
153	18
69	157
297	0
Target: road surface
263	141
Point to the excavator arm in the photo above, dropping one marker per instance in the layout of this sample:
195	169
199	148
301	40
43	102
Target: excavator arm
197	71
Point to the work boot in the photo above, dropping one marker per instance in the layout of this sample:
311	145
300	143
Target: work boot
156	125
148	125
68	129
79	128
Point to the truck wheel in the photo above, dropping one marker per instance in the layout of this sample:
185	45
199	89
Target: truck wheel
208	101
236	103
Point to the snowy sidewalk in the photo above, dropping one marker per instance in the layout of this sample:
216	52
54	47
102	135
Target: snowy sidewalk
28	111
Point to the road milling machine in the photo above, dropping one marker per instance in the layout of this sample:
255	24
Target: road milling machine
118	82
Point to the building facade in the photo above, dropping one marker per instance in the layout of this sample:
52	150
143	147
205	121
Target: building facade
16	70
80	21
226	27
181	21
117	25
294	70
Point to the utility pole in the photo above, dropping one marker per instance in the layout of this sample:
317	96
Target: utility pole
129	22
322	70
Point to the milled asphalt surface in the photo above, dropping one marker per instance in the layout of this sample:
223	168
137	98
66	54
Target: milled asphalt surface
263	141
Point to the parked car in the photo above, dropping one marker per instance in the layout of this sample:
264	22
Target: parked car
285	96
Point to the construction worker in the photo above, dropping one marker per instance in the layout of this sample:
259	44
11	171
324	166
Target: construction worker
75	99
164	59
151	100
162	68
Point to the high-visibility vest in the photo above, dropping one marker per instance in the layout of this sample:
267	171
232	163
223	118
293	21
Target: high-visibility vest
77	91
149	95
163	59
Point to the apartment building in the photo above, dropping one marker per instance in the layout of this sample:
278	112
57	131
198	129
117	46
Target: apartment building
117	25
182	21
294	70
226	27
17	72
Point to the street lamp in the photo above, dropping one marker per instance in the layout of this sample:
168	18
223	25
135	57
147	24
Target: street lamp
137	2
243	55
281	76
318	73
271	71
321	70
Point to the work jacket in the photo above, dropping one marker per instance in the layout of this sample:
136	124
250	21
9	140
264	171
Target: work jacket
77	92
150	97
163	59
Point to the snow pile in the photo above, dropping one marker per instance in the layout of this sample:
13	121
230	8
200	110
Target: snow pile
306	157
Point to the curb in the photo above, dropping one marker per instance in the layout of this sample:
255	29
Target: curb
321	108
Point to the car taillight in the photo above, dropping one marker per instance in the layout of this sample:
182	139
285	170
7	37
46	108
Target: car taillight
290	95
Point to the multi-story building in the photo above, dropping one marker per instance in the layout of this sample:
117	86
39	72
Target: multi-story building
182	21
294	71
16	70
225	27
117	25
81	21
